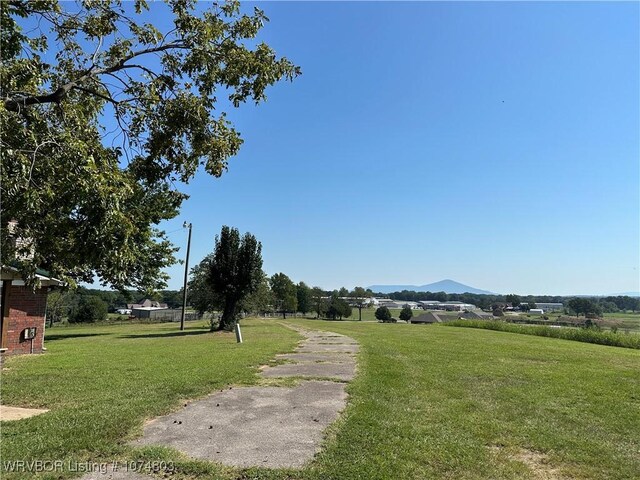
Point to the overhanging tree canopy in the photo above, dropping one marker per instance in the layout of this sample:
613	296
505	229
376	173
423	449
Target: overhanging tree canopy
96	136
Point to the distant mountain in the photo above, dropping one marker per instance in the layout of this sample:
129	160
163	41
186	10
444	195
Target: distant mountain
447	286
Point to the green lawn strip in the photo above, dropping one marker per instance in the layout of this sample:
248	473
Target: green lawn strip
438	402
101	382
428	402
588	335
368	314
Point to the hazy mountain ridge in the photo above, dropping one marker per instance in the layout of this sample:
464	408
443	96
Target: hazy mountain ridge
447	286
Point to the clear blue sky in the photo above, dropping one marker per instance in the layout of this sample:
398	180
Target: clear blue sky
496	144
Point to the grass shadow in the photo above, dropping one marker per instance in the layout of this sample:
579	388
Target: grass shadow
61	336
167	334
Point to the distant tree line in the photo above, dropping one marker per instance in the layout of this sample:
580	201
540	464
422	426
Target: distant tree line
610	304
83	305
231	282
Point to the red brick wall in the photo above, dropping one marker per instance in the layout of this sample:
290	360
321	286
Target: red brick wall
26	309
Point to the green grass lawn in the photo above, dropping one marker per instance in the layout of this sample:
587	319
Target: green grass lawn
623	321
102	381
428	401
368	314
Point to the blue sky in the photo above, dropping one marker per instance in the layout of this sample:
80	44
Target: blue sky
496	144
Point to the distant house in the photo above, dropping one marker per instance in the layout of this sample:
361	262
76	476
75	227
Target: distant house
23	311
550	307
476	315
411	305
147	304
430	304
427	317
387	302
142	310
448	306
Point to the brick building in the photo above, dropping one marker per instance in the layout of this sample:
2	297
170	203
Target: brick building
23	312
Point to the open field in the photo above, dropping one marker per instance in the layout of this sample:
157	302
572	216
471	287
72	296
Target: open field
625	322
587	335
368	314
428	402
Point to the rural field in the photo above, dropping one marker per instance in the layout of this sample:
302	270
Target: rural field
428	401
622	321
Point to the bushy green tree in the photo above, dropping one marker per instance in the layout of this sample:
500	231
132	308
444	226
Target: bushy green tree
284	293
260	301
513	299
584	306
90	309
200	294
59	303
235	272
406	314
383	314
319	302
97	135
303	293
338	308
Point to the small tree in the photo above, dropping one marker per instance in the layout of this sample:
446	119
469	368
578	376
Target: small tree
284	293
513	299
200	294
406	314
338	308
383	314
261	300
58	306
235	271
303	293
584	305
90	309
319	302
361	297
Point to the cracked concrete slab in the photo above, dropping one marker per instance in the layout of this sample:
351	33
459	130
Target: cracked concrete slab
272	427
340	371
265	426
121	473
330	341
323	347
332	357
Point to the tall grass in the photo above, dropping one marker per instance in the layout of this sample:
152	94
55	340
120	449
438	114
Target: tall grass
587	335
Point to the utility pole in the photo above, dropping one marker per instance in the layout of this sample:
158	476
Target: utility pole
186	275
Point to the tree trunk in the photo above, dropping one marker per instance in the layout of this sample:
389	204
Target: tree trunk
284	314
228	320
359	314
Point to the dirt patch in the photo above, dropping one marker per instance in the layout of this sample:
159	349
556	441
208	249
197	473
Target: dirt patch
536	462
8	414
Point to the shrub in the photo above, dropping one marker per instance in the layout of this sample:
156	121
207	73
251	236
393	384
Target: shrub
90	308
383	314
406	314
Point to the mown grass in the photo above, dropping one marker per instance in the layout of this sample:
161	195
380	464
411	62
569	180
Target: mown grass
621	321
102	381
587	335
428	402
444	402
